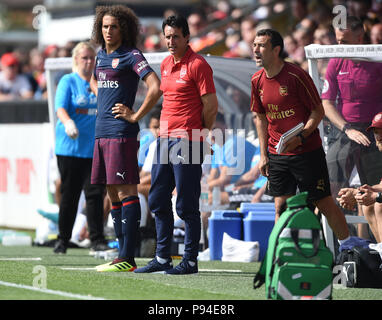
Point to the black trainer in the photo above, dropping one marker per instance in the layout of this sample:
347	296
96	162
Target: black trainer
60	247
184	267
99	245
155	267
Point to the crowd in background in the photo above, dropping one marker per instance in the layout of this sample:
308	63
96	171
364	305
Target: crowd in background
223	30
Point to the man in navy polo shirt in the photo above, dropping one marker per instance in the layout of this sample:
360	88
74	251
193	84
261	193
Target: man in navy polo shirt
119	67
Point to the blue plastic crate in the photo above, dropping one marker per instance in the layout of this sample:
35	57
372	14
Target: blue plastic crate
257	226
229	221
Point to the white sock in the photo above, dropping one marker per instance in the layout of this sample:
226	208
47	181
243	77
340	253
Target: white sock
191	263
343	240
161	260
377	247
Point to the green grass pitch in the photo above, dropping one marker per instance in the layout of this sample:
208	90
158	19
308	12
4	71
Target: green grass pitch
35	273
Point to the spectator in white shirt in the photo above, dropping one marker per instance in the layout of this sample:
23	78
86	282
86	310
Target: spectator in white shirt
12	84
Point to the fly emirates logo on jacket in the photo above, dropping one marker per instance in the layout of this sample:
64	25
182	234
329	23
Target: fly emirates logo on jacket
104	83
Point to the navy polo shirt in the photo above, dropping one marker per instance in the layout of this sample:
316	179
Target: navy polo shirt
117	75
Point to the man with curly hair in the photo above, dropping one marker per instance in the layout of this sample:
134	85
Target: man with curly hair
119	67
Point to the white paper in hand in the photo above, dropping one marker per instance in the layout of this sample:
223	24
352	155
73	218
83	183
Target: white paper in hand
288	135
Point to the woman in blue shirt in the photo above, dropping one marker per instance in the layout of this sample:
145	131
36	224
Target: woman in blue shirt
76	107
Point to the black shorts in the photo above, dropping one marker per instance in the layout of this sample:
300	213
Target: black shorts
307	172
344	154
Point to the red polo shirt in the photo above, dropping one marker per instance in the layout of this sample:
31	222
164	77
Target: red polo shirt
183	84
287	99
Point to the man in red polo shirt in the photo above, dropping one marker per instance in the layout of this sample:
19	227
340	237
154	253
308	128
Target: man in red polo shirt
189	106
283	95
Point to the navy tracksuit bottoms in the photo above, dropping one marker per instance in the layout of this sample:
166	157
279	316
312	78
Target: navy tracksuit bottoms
177	163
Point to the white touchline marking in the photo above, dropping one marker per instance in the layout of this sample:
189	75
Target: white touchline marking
77	268
49	291
219	270
201	270
20	259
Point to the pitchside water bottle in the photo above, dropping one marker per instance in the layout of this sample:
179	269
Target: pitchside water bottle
204	192
99	254
17	240
216	196
111	255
